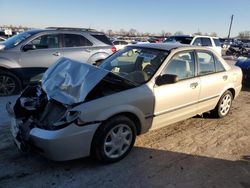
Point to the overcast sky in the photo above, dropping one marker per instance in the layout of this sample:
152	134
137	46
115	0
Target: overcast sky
188	16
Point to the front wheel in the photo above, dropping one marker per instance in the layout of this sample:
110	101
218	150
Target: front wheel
114	139
10	84
224	105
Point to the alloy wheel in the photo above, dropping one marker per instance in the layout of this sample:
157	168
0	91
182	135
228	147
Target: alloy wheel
7	85
225	104
118	141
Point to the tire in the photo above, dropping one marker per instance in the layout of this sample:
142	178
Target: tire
10	84
98	62
224	105
114	139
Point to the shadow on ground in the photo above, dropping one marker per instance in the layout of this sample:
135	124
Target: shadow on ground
144	167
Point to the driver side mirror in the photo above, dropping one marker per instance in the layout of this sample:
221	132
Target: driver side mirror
166	79
29	47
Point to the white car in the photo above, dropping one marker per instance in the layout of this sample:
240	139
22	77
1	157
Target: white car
208	41
120	44
198	40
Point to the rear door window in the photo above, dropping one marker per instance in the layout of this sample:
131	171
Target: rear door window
197	42
74	40
206	63
206	42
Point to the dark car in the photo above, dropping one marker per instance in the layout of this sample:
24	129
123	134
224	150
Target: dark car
244	64
183	39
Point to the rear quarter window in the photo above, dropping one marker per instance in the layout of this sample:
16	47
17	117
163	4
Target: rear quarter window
102	38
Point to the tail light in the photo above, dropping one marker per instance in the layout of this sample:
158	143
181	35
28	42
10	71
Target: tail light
113	49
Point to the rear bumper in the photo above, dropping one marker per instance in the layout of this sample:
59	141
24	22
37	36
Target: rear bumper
237	90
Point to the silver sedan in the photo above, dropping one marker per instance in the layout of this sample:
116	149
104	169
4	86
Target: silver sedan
80	109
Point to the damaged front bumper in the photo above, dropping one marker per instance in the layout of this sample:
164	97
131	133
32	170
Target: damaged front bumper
70	142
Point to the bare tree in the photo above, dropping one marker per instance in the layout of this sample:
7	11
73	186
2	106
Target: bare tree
132	32
109	32
244	35
213	34
167	34
178	33
197	33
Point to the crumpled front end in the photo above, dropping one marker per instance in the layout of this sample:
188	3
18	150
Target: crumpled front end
48	127
44	118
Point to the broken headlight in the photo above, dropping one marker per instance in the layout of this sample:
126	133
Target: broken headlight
69	117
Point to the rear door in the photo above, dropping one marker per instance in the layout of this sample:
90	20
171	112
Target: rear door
77	47
178	101
213	79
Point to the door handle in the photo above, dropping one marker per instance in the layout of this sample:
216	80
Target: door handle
56	54
225	77
87	50
194	85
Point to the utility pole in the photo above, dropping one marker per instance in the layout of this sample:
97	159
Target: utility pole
232	17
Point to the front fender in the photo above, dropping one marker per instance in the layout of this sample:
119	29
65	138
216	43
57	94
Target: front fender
8	64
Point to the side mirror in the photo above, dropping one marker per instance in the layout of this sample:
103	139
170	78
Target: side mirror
29	47
166	79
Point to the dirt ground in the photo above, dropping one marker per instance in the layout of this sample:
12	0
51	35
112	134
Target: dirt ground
198	152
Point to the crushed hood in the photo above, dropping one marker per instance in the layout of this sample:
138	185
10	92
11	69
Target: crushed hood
69	81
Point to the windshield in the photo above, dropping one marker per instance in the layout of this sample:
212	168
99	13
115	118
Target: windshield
135	64
17	39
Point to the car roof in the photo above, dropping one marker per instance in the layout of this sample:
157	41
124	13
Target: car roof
180	36
79	30
161	46
206	36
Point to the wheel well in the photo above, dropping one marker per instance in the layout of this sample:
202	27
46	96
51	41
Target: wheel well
133	118
232	91
13	72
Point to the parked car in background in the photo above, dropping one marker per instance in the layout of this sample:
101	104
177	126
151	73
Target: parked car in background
2	39
244	64
30	53
119	44
211	42
208	41
101	110
182	39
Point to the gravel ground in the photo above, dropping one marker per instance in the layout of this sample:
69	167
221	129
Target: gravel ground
198	152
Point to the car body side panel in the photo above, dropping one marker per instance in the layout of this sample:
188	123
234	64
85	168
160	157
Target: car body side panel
175	102
213	86
138	101
99	55
9	59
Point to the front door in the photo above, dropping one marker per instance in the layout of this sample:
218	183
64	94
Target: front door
46	52
178	101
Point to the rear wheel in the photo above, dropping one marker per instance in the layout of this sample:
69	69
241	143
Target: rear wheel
10	84
114	139
98	62
224	105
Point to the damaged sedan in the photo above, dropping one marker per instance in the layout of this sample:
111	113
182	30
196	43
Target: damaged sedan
80	110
